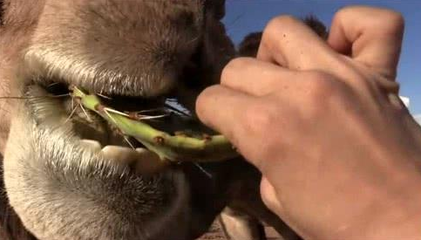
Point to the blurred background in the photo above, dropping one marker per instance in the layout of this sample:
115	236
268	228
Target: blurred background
245	16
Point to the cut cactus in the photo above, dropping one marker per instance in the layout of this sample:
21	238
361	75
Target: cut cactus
176	148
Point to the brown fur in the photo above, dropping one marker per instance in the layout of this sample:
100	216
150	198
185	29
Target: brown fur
131	48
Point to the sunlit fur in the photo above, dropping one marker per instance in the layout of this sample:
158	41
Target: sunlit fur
133	48
57	189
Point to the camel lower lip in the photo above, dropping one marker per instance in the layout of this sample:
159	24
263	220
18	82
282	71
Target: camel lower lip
118	153
141	160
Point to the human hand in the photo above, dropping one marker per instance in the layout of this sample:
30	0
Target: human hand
323	122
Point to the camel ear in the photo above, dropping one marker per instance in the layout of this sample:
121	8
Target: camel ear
216	7
317	26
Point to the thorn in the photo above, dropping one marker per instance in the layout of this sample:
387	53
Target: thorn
151	110
103	96
116	112
139	117
128	141
71	114
145	117
86	113
208	174
109	115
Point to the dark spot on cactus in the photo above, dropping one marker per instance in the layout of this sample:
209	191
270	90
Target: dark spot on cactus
99	108
159	140
207	137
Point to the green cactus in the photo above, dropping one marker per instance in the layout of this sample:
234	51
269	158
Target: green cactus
178	147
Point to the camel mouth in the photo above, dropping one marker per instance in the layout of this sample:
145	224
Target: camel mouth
169	107
102	138
54	111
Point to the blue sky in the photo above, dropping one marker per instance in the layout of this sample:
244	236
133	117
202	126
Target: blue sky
244	16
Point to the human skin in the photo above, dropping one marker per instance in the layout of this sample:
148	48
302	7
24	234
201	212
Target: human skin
339	153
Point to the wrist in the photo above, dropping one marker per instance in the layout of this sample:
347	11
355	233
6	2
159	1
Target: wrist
404	223
397	218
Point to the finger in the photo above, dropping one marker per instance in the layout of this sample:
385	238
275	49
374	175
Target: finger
372	36
291	43
269	197
218	106
256	77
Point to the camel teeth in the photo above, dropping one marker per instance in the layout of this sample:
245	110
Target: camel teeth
92	145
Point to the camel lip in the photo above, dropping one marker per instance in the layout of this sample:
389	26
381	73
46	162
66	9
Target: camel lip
165	114
159	104
59	88
49	114
53	103
51	117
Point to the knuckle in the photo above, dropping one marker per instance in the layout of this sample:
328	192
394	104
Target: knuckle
283	20
346	13
320	87
235	65
204	98
260	118
316	75
323	90
343	12
275	24
238	63
324	94
395	20
262	125
209	91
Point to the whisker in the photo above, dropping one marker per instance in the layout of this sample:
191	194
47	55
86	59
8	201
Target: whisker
34	97
13	97
192	41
